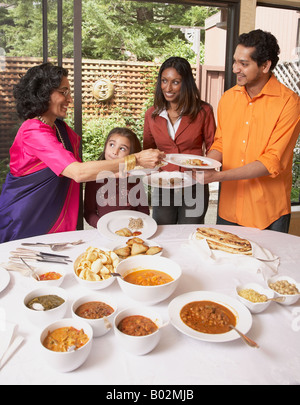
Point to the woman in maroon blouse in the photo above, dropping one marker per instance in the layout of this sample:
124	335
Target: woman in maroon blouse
110	192
179	122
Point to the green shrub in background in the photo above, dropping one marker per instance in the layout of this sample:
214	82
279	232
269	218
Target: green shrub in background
95	131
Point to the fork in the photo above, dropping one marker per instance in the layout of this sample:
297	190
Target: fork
54	246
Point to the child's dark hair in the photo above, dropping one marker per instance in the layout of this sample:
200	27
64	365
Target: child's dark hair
135	145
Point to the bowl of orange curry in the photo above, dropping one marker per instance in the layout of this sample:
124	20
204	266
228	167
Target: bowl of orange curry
66	344
148	279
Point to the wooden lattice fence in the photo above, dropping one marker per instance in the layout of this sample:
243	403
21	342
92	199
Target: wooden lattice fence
289	74
132	83
133	89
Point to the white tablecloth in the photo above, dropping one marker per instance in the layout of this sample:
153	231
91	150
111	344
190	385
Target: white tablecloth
178	359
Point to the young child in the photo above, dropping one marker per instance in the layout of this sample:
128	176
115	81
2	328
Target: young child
120	142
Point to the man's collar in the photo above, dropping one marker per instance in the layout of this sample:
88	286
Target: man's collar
271	88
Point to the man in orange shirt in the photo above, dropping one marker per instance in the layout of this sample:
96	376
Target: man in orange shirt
258	126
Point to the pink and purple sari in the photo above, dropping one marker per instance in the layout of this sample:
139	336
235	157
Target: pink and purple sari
35	199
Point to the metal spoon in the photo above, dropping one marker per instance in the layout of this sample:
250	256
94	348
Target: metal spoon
245	338
116	274
32	270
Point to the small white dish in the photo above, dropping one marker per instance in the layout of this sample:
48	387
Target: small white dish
138	345
51	283
101	325
289	299
41	318
255	307
67	361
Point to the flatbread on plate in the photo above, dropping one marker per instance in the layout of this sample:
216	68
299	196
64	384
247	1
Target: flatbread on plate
225	241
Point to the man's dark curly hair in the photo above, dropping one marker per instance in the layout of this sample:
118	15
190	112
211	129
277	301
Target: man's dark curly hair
265	44
33	91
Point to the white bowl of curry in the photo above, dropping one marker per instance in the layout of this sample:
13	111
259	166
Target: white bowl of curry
148	279
66	344
137	329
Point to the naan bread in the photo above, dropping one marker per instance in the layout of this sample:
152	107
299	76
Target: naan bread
225	241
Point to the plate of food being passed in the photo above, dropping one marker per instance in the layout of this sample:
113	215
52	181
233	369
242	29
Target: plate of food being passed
206	316
124	224
192	161
170	180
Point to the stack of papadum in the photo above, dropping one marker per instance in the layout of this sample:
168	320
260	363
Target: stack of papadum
225	241
136	246
96	264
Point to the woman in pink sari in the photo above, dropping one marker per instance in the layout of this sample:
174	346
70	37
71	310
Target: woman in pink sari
41	191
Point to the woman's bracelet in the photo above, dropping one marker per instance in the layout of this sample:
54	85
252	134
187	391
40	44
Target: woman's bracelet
130	162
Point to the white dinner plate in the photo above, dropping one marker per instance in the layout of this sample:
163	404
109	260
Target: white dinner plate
180	159
164	180
243	315
4	279
116	220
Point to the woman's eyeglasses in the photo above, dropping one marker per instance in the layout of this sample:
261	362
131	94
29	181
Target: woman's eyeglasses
66	93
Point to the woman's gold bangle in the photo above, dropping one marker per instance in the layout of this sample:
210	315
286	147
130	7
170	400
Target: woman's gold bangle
130	162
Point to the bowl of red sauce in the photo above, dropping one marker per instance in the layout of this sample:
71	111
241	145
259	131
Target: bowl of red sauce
98	310
137	329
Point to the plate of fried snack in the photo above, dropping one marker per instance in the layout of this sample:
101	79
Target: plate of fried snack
137	246
122	224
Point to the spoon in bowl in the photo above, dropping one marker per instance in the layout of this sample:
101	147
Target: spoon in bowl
32	270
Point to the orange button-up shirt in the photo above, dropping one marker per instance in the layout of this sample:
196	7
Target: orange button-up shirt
264	128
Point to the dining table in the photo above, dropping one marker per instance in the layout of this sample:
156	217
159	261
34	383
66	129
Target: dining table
178	360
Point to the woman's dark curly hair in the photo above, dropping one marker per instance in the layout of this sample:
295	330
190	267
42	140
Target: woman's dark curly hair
190	102
265	44
33	91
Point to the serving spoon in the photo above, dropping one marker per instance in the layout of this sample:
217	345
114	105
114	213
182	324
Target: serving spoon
245	338
276	299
